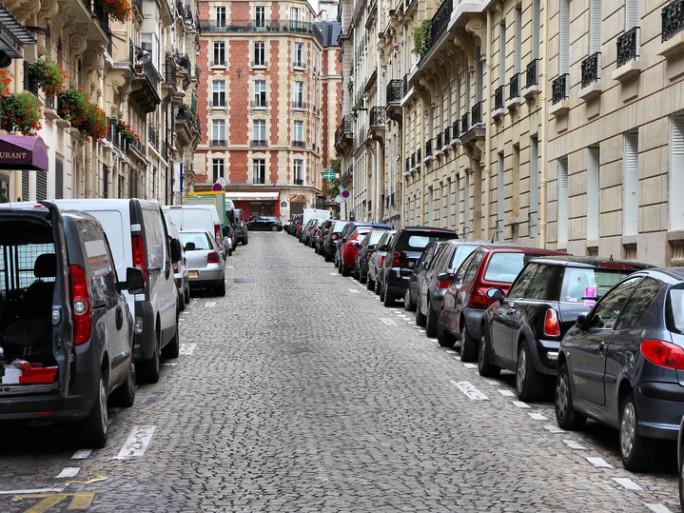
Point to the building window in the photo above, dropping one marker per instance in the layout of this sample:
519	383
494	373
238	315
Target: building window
298	102
500	196
593	192
155	189
502	53
298	55
220	16
298	171
534	187
259	54
217	170
219	53
448	193
259	171
430	212
218	132
260	93
25	185
294	18
595	26
259	132
218	94
260	17
564	49
518	40
676	172
298	133
562	201
59	179
536	29
630	206
105	181
41	185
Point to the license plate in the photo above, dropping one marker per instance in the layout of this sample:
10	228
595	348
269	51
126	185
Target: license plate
192	274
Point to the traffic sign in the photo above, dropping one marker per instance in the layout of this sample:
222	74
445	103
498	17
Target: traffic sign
217	187
345	194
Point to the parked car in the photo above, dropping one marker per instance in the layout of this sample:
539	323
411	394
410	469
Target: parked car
350	248
466	300
332	239
180	267
241	229
434	281
365	252
265	223
307	229
621	364
206	267
321	233
522	330
66	334
407	247
413	287
680	463
377	259
198	216
346	233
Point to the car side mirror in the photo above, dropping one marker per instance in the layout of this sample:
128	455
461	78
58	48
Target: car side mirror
135	282
583	321
495	294
444	277
176	250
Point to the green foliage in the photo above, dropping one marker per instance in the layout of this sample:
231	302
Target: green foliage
422	37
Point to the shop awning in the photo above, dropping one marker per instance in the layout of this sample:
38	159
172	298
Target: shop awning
252	196
23	152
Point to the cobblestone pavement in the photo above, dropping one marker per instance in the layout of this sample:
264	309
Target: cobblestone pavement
300	392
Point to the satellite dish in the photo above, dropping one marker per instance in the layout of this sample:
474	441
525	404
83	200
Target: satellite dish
5	60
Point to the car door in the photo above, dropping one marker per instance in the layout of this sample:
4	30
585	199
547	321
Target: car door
453	300
421	272
586	349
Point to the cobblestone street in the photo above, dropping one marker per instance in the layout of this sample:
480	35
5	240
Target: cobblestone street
300	392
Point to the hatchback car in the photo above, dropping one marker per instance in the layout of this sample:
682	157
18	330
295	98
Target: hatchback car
377	260
422	265
206	267
265	224
350	248
346	233
365	252
523	329
321	232
332	239
622	362
466	300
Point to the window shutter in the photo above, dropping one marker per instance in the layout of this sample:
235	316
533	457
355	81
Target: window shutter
564	51
502	53
593	193
563	200
676	172
59	179
518	39
536	28
24	185
630	206
595	31
632	14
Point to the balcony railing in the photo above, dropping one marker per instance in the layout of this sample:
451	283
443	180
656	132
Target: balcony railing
298	181
499	98
514	86
395	91
476	113
299	105
215	26
298	144
377	117
465	122
221	104
258	104
591	69
439	142
628	46
419	158
258	64
407	165
428	148
531	74
447	136
170	72
299	64
441	19
559	88
217	142
413	160
456	129
152	136
672	17
258	143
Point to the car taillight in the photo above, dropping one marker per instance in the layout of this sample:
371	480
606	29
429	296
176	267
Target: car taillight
175	267
443	284
551	324
396	259
478	299
213	258
139	254
663	353
382	260
334	236
217	233
81	305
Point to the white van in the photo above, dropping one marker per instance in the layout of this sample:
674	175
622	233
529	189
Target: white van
138	236
198	217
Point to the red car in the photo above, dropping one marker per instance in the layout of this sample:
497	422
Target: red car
350	249
466	299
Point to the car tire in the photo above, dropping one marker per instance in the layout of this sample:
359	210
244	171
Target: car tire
344	270
187	295
468	344
566	415
149	371
370	284
388	297
444	338
420	318
125	395
92	431
327	258
637	452
181	302
529	384
409	304
221	288
172	349
274	228
363	278
681	483
431	322
355	274
484	365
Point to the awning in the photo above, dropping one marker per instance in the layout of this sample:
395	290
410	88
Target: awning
252	196
23	152
13	34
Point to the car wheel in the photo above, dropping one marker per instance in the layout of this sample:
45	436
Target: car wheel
181	301
409	304
125	394
468	344
388	299
420	318
529	384
172	349
245	241
149	370
355	274
637	452
444	338
92	431
431	322
363	278
327	258
370	284
274	228
566	415
187	295
484	365
681	484
380	291
221	288
344	270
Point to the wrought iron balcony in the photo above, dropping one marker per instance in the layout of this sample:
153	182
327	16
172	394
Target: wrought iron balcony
377	117
413	160
152	136
628	46
217	143
514	87
428	148
220	104
531	74
447	136
299	64
298	181
591	69
258	143
499	98
440	141
299	105
476	113
258	104
298	144
419	158
170	72
672	17
441	19
559	88
465	122
407	165
395	90
456	129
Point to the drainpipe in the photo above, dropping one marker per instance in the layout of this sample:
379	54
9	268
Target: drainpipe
544	129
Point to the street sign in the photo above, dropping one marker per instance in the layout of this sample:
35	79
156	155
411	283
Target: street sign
329	175
217	187
345	194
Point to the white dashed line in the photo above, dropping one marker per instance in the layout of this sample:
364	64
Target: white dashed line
36	490
82	454
470	366
169	364
627	483
356	291
388	322
137	442
333	274
187	349
599	462
552	428
537	416
520	404
658	508
506	393
450	351
574	445
470	391
68	472
210	304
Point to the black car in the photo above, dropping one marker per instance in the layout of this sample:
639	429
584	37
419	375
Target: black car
66	333
265	224
407	246
366	250
523	329
332	239
321	233
622	363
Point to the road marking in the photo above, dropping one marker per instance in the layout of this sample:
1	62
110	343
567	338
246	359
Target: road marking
34	491
537	416
403	316
658	508
333	274
68	472
506	393
627	483
83	454
78	501
470	391
210	304
470	366
169	364
520	404
574	445
599	462
137	442
354	290
552	428
450	351
388	322
187	349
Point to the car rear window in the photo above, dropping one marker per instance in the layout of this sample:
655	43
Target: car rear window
503	267
580	285
199	239
675	310
418	241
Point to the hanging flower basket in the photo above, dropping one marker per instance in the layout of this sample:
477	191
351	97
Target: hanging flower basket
5	81
118	10
20	112
48	75
127	131
89	119
96	122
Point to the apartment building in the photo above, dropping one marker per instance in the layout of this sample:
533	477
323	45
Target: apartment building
269	104
129	68
553	125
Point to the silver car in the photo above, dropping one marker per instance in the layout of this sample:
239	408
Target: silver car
206	266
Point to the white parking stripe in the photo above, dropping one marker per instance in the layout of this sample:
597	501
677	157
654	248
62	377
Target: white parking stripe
574	445
354	290
520	404
82	454
506	393
537	416
388	322
210	304
627	483
470	366
658	508
187	349
137	442
68	472
552	428
470	391
599	462
333	274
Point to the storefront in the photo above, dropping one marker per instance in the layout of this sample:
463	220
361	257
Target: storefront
256	203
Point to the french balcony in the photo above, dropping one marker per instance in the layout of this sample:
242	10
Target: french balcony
218	64
440	20
628	65
475	130
298	181
560	90
672	30
456	131
514	97
591	77
152	136
299	105
413	160
396	89
298	144
344	134
299	65
465	123
447	137
499	102
258	104
218	143
258	143
169	83
90	17
145	90
218	105
428	149
407	165
377	123
531	79
187	127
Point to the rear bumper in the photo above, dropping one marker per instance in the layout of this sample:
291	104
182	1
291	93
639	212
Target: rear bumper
398	281
660	407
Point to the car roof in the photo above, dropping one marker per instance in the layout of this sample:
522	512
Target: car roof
591	261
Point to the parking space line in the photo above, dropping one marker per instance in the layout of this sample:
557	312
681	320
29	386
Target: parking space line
35	490
470	391
658	508
627	483
599	462
354	290
520	404
537	416
68	472
388	322
81	454
187	349
137	442
470	366
210	304
506	393
573	444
